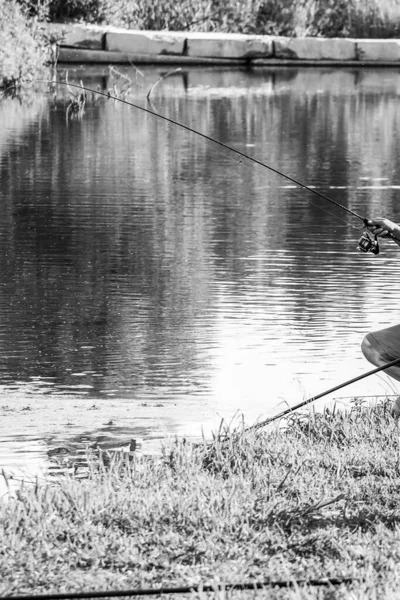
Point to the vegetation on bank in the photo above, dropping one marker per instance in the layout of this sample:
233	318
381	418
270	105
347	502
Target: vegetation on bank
327	18
24	49
318	499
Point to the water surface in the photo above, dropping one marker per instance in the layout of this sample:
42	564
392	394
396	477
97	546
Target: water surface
152	280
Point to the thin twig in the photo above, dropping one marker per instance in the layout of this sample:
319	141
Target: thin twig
161	79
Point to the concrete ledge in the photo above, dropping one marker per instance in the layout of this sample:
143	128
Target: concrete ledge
79	55
78	36
293	62
378	50
144	42
215	45
98	44
315	48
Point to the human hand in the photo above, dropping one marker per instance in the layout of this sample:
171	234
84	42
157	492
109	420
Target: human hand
381	227
384	228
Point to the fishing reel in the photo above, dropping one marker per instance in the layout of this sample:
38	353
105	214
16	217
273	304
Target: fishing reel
368	243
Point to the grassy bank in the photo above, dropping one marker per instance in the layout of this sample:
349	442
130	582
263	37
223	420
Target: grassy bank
24	49
320	499
328	18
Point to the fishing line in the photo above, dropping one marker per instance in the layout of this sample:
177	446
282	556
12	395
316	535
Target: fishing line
241	162
245	164
210	139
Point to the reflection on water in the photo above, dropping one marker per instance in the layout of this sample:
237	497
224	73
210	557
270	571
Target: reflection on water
144	266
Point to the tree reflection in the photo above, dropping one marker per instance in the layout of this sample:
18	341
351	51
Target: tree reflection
122	236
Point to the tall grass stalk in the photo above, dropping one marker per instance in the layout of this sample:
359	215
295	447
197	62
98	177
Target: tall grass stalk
318	499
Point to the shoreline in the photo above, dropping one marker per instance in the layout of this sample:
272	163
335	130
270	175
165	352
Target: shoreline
81	43
317	500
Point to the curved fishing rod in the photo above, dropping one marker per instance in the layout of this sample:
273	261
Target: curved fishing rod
289	410
365	244
210	139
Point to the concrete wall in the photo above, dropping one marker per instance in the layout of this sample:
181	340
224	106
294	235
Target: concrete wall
92	43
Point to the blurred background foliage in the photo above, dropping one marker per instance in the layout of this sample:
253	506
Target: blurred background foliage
25	47
328	18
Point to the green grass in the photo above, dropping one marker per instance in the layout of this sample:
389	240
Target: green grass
329	18
318	499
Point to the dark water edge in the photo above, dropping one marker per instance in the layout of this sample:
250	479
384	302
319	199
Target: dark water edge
169	283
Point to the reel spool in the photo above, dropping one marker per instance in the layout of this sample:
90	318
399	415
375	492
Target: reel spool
367	243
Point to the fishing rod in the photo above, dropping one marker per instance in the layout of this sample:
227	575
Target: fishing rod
318	396
366	243
190	589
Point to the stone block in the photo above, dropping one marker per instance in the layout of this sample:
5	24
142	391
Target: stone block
83	56
225	45
144	42
315	48
77	36
378	50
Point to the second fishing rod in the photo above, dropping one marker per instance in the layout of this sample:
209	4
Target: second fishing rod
366	243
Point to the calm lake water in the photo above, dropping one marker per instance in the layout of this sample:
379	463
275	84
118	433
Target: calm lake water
152	282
